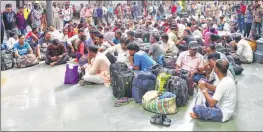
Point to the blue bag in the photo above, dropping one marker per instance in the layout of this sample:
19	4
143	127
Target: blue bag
143	82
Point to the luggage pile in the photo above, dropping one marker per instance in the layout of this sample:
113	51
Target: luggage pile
160	90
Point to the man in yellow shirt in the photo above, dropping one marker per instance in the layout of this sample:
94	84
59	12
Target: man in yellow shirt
26	12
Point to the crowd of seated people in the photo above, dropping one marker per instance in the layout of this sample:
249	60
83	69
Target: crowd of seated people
193	42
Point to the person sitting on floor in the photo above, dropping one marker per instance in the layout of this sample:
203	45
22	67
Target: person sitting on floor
98	68
244	50
99	41
72	45
121	49
222	104
139	59
43	44
54	32
156	51
191	61
213	78
169	46
23	51
56	54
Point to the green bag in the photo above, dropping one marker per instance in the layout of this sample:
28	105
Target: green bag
161	82
157	105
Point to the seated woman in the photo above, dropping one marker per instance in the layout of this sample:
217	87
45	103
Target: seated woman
221	24
56	54
98	68
24	54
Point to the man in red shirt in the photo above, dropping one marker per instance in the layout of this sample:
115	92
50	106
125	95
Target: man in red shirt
173	9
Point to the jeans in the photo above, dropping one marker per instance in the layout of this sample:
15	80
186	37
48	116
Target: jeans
258	27
241	22
2	34
208	113
197	77
22	31
247	29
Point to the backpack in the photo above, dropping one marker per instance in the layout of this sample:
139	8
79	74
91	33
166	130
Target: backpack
161	82
169	62
7	60
185	75
121	80
177	86
157	69
143	82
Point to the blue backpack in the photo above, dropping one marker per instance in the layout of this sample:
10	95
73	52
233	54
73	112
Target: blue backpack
143	82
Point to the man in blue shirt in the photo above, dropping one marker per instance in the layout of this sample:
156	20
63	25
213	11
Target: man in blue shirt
22	48
99	14
117	38
139	59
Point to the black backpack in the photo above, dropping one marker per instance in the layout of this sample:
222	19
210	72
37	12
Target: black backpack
157	69
178	86
7	60
121	80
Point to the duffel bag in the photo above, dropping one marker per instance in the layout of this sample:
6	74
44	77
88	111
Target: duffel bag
122	83
160	104
161	82
27	61
143	82
178	86
7	60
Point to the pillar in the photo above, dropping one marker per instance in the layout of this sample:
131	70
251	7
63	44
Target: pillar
49	12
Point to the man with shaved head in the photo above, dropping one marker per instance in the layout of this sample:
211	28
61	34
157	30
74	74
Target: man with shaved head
221	106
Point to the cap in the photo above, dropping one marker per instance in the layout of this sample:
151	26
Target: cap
193	45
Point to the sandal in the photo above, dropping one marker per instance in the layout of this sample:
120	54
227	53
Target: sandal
122	101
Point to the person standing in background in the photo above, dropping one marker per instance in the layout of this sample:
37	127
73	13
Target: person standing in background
82	12
88	15
26	11
94	14
248	21
9	20
66	13
99	14
2	30
35	17
21	21
56	20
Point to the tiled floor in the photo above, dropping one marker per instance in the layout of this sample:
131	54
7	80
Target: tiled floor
35	98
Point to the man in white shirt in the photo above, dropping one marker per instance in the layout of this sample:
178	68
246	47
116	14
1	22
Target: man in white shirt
121	49
74	39
66	13
196	32
222	104
244	50
54	32
169	46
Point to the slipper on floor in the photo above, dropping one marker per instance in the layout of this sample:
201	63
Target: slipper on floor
122	102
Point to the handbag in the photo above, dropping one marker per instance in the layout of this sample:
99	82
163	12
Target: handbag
71	74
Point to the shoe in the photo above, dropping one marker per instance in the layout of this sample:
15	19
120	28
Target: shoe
159	120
